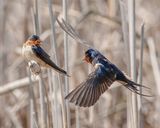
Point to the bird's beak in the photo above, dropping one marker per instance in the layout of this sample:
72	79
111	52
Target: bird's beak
85	59
38	42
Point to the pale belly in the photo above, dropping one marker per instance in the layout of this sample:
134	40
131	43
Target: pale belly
29	56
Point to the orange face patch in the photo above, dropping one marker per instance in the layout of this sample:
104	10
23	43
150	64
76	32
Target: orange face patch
87	59
31	42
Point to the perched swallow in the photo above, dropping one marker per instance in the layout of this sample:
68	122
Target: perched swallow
105	73
32	51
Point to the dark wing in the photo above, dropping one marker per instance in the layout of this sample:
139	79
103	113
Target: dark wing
88	92
40	53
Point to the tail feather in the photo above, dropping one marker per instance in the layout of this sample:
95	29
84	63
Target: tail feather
56	68
133	83
132	86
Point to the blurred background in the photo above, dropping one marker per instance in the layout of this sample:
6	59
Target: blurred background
101	23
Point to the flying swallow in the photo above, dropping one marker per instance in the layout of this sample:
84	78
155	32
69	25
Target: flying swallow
104	75
32	51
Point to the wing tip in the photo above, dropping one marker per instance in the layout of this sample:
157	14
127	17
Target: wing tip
78	100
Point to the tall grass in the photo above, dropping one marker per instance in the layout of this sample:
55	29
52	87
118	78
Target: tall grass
55	80
66	59
43	114
132	43
140	74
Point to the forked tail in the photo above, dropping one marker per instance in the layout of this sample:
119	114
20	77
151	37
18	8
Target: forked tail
132	86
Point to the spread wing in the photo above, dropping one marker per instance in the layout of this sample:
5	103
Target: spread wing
40	53
89	91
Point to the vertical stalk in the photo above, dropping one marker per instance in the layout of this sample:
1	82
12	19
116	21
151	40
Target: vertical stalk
54	46
43	116
36	20
127	52
32	108
3	14
77	118
84	6
154	63
2	27
156	73
132	41
140	118
50	95
125	32
52	21
55	93
112	8
66	62
43	122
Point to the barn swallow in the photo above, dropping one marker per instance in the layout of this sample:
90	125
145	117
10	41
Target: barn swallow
104	75
32	51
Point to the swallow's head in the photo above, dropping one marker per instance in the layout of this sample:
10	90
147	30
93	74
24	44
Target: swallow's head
33	40
90	54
